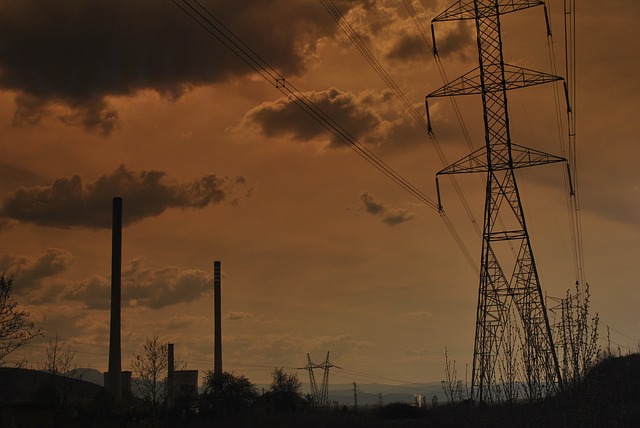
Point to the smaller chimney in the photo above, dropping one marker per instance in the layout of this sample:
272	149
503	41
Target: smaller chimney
217	314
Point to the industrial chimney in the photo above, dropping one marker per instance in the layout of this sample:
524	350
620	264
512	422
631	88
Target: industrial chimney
217	314
114	376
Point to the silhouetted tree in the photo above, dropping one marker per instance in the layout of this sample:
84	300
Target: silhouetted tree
452	386
59	363
577	335
283	382
237	396
15	328
59	359
284	392
149	370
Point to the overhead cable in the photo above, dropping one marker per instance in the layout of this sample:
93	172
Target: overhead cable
216	28
391	84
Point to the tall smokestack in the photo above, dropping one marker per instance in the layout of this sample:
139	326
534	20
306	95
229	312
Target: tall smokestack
217	314
114	376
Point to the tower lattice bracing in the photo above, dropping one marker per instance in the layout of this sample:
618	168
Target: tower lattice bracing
513	343
319	394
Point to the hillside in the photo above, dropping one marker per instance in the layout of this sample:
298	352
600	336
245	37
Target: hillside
608	397
23	385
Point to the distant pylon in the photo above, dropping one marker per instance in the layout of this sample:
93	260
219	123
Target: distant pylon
319	395
513	341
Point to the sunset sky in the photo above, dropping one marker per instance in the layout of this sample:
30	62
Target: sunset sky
320	251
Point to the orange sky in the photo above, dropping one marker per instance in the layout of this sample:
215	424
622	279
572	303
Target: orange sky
320	252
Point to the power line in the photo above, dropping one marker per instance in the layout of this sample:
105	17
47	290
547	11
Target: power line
216	28
409	107
358	42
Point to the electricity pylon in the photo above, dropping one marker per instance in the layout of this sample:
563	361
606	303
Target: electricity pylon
319	395
510	295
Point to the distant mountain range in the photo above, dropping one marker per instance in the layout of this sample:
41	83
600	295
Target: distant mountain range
89	375
372	394
368	394
375	394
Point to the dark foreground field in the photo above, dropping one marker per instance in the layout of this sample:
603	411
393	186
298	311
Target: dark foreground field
608	397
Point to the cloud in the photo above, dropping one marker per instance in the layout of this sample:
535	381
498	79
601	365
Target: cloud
93	292
457	41
68	203
76	53
237	316
265	347
182	322
358	114
72	323
338	345
371	206
28	271
164	287
142	286
420	353
12	177
391	217
390	33
408	46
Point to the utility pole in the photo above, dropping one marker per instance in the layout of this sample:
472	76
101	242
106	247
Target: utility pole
509	291
355	396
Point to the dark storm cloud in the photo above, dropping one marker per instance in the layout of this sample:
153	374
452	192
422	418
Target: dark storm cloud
409	47
12	177
391	217
458	41
28	271
69	203
355	113
77	52
371	206
397	217
142	286
164	287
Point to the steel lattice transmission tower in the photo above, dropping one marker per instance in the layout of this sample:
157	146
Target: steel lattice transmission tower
320	395
512	322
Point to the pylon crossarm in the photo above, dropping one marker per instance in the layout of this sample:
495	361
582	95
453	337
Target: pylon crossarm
520	77
514	78
524	157
461	10
456	12
475	162
467	84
